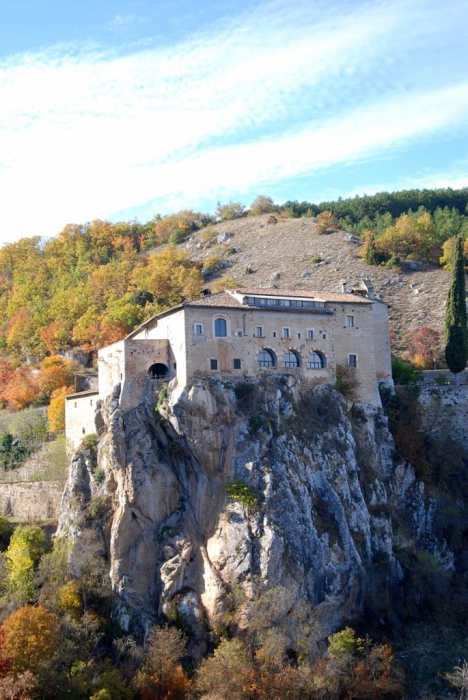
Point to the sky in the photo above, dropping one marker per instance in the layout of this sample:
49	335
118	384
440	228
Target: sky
121	109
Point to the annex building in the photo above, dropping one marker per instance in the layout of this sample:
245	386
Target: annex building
244	333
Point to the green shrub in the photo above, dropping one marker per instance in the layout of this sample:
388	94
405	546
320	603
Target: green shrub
404	373
90	442
97	508
161	398
244	389
239	491
178	236
213	264
99	475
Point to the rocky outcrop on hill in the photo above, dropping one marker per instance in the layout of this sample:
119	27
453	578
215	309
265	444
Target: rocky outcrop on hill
225	485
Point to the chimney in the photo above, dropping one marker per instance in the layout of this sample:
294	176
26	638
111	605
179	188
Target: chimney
369	287
343	287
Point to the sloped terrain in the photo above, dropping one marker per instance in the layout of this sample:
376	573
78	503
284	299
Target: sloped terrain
285	254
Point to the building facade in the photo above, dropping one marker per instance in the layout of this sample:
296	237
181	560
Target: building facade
248	332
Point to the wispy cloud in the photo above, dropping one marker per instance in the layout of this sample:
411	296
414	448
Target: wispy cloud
277	92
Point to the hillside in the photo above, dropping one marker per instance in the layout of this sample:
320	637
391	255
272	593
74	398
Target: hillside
283	254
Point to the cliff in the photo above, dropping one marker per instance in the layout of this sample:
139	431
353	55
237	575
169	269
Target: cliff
226	485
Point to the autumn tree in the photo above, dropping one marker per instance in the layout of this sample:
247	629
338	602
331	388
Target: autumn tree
232	210
425	344
31	638
262	205
162	676
27	545
56	408
325	222
456	333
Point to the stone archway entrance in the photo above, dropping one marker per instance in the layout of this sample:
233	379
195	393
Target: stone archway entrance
158	370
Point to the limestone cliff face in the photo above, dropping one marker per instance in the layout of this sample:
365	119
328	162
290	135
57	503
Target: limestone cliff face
327	489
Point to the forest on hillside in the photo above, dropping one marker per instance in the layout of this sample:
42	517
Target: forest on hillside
63	298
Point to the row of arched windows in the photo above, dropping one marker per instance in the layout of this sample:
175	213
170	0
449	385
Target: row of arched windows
291	358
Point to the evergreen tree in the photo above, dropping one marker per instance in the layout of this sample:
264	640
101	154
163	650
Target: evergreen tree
456	333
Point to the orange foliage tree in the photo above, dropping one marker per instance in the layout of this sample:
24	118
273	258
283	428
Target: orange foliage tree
31	638
22	388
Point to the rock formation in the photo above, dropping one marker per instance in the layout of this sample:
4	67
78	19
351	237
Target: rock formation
316	490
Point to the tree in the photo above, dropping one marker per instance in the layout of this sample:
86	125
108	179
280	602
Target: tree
425	344
262	205
456	334
226	212
27	545
56	408
31	638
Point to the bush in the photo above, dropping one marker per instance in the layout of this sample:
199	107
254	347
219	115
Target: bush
404	373
233	210
239	491
178	236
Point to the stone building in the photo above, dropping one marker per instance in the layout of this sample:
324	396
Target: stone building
243	333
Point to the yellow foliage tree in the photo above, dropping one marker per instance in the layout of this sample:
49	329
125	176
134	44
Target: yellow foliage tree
56	408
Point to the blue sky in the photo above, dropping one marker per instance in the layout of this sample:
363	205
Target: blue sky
123	109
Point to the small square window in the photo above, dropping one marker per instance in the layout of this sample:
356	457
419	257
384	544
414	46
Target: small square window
298	335
273	335
213	364
310	334
286	333
324	336
237	363
350	321
259	332
352	360
198	329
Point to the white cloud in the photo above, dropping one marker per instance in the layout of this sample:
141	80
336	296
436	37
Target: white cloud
283	90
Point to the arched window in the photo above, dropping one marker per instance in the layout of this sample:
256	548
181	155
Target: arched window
316	361
220	327
266	358
291	359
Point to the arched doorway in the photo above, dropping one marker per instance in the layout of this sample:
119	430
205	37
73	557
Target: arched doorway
158	370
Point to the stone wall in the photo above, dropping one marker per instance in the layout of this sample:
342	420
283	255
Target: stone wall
31	500
79	416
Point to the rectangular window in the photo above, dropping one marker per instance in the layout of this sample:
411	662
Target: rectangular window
298	335
350	321
198	329
286	333
83	430
76	404
324	336
237	363
310	333
273	335
259	331
352	360
213	364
